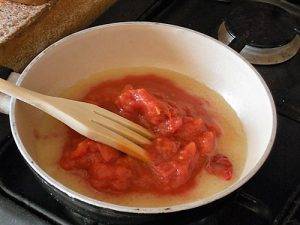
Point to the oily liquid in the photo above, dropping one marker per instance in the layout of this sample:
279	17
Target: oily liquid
51	135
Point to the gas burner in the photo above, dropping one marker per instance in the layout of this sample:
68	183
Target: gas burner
265	34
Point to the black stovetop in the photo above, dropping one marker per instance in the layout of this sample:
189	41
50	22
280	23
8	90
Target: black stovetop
276	186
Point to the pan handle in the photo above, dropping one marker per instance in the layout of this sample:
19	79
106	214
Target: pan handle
255	206
8	74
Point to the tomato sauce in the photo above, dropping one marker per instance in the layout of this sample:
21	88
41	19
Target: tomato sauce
185	143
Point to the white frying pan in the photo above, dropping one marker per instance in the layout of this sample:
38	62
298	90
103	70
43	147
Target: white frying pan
152	45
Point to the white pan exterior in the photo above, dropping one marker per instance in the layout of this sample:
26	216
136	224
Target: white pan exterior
151	45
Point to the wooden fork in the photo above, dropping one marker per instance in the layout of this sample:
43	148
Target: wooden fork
89	120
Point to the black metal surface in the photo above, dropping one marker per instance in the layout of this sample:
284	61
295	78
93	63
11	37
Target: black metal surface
283	81
273	185
237	45
296	2
10	213
248	22
4	125
154	10
4	72
290	215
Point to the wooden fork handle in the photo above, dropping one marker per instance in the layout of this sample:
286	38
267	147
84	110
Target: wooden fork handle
23	94
39	101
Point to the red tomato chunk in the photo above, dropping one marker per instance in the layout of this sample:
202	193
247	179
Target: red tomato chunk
185	142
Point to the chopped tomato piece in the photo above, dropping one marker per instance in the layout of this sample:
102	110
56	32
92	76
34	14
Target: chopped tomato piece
150	110
163	148
139	101
66	163
83	148
100	171
122	179
207	143
170	126
191	128
188	153
109	178
108	154
220	166
176	172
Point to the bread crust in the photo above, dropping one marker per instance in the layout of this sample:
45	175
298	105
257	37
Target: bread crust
31	2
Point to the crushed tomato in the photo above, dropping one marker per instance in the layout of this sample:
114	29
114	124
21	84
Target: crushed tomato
186	137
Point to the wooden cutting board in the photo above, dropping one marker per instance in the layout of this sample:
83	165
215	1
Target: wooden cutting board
25	30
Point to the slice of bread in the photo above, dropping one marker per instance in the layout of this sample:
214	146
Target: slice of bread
26	30
14	17
31	2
